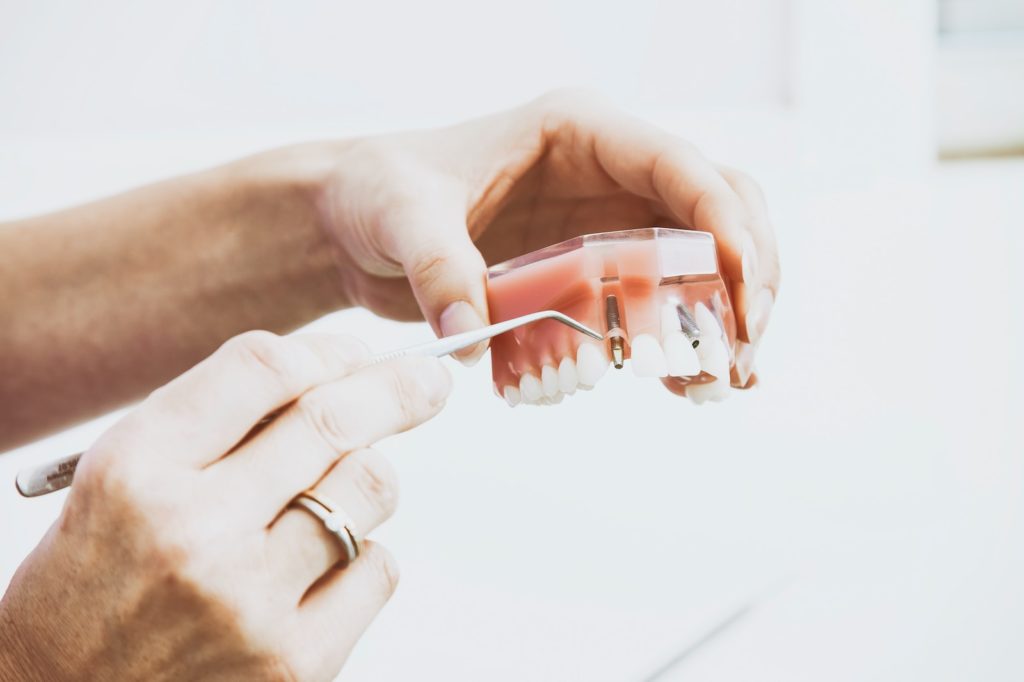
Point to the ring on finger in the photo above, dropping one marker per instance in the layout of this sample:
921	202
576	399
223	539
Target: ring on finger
335	520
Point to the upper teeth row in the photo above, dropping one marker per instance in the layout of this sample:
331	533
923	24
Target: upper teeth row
673	355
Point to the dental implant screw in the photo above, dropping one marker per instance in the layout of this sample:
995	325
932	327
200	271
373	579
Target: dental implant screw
688	325
611	311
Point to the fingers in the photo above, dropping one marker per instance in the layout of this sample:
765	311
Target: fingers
338	610
754	297
444	267
293	452
300	550
206	411
654	164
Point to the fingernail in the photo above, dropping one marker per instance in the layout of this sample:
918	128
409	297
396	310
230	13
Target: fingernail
460	317
436	381
757	315
744	366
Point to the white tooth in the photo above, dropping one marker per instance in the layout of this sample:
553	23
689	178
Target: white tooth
646	356
591	364
698	393
716	390
512	396
567	378
549	380
714	356
707	322
680	355
557	398
530	388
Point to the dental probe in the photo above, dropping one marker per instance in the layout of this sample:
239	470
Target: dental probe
58	474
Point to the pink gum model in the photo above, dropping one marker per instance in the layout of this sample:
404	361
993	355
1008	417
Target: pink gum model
656	294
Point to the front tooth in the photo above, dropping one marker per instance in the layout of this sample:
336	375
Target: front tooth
549	380
714	357
530	388
708	323
591	364
646	357
567	377
512	396
680	355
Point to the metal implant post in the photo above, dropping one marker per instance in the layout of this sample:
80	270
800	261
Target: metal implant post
615	333
688	325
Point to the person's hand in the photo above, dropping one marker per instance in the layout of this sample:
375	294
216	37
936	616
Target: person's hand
415	216
177	555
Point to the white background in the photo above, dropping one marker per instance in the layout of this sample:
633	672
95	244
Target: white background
866	499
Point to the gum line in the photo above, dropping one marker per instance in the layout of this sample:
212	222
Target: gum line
650	273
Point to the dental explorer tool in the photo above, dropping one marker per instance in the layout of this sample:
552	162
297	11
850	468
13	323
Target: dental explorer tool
58	474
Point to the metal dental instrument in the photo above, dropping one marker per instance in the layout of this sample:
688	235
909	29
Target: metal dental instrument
58	474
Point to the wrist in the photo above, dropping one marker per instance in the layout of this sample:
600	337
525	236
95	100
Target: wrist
283	190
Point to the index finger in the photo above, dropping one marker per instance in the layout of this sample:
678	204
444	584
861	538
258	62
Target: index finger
653	163
199	416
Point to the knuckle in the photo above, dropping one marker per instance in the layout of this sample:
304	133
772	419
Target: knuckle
376	479
337	352
350	346
408	394
264	352
323	418
427	268
383	569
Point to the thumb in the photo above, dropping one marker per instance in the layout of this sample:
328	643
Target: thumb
447	275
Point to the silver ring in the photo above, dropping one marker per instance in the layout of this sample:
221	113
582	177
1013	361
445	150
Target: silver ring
335	520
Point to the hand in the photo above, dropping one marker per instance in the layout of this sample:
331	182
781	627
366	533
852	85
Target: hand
416	216
177	556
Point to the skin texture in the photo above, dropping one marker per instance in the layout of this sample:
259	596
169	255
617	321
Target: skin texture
173	557
138	580
104	302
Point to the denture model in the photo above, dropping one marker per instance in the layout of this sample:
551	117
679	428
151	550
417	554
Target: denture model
656	293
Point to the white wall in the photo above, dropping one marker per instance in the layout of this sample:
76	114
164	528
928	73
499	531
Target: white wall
196	65
877	470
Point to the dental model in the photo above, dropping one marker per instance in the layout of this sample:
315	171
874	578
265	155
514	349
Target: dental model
655	293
